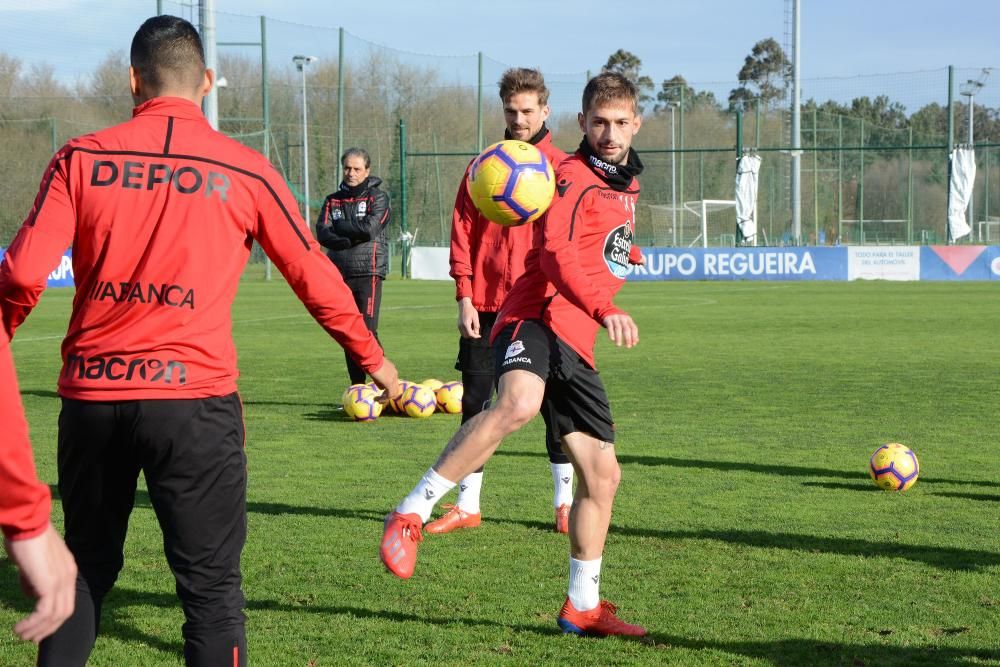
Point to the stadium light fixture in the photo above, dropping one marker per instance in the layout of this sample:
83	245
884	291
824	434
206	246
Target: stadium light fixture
301	63
969	89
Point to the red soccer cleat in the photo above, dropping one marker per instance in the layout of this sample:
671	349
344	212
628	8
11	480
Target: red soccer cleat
399	543
453	519
562	518
597	622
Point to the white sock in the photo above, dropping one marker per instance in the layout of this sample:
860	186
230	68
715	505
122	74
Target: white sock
468	493
562	479
584	583
425	495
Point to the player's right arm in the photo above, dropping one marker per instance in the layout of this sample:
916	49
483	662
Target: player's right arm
285	238
40	243
48	572
460	258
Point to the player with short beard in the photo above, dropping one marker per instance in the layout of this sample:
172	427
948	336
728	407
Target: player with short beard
486	261
543	345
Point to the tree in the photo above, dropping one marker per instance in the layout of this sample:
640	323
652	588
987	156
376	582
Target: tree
670	95
629	65
762	72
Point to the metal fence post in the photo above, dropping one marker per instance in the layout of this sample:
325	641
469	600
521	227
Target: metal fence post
479	107
404	260
340	106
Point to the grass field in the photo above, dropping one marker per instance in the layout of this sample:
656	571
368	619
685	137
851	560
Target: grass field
746	530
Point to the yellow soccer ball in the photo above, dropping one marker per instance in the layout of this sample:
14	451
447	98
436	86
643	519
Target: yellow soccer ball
360	403
894	467
418	401
432	384
511	183
397	403
449	397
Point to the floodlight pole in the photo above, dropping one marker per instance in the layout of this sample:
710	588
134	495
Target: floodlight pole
796	127
301	62
207	20
673	171
969	89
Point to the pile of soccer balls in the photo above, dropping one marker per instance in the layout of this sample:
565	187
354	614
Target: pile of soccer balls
361	401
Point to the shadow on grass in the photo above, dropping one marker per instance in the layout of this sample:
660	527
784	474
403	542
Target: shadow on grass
762	468
865	486
798	652
291	404
969	496
944	558
328	414
41	393
781	652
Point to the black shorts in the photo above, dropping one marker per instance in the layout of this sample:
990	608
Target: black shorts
475	356
575	399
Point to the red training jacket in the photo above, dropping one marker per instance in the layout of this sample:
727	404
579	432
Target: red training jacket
25	502
580	259
487	258
162	212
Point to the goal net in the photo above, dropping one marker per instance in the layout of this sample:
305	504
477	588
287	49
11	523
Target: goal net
709	222
703	222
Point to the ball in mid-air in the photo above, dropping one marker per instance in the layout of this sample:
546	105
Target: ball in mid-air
894	467
361	404
511	183
449	397
418	401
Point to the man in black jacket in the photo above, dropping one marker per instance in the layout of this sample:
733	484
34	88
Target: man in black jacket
352	226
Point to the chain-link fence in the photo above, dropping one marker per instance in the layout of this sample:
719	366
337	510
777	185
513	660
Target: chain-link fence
874	165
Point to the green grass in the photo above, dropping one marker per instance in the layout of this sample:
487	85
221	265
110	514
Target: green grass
746	530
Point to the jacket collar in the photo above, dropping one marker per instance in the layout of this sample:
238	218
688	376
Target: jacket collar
618	176
541	137
177	107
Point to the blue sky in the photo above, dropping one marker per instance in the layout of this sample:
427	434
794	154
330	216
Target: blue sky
705	40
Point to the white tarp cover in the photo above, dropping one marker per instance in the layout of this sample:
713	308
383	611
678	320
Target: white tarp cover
747	169
963	175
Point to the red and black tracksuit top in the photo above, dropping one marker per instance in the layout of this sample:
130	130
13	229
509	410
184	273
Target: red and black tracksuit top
487	258
352	226
161	212
25	502
581	254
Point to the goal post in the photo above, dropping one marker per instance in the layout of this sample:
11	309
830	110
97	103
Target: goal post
721	226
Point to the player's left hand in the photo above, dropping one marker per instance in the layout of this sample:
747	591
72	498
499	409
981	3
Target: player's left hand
621	329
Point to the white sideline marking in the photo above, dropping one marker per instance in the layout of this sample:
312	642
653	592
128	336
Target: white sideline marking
250	321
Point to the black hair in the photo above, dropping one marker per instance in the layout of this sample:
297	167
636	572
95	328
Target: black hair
357	152
167	51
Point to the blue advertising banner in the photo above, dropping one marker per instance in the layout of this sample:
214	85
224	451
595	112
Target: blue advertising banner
62	275
818	263
960	262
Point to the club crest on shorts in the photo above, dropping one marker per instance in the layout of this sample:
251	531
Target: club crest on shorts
516	347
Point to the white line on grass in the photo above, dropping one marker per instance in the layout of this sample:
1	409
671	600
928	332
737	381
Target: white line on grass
35	339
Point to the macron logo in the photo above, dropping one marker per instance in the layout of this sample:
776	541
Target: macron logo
516	348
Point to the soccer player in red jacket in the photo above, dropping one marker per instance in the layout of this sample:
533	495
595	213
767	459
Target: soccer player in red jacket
161	212
48	571
543	345
486	261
